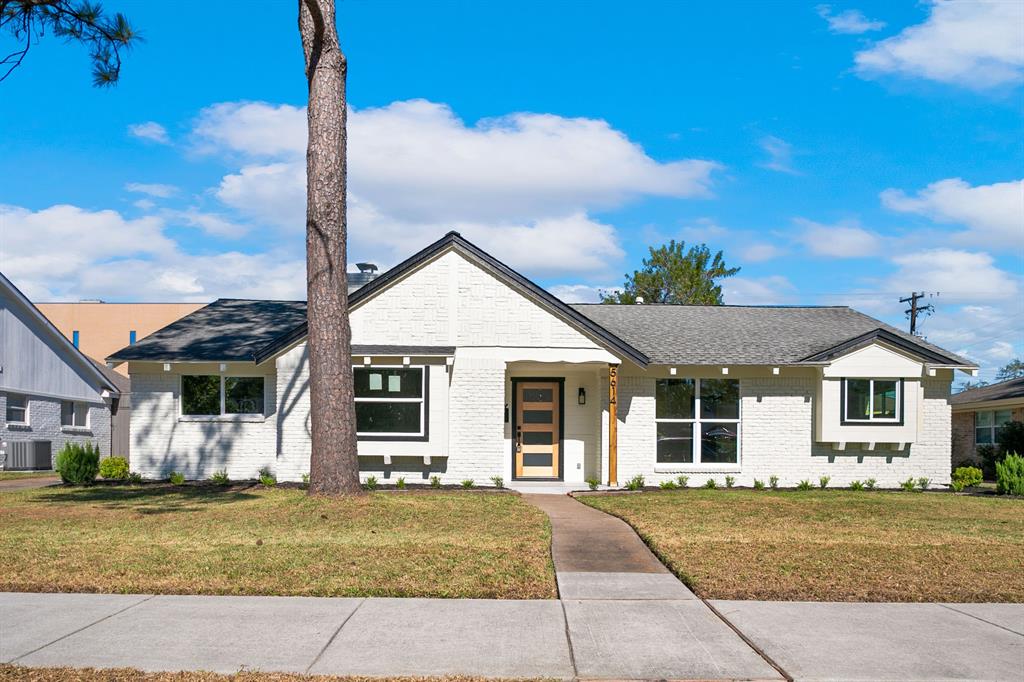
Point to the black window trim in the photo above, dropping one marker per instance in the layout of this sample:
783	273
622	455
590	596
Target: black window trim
900	404
223	415
424	408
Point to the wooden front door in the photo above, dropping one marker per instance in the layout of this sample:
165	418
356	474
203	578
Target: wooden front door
537	438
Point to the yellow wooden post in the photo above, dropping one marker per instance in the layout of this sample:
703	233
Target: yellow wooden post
613	425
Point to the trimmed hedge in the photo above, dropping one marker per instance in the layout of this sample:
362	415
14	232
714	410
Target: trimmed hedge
78	464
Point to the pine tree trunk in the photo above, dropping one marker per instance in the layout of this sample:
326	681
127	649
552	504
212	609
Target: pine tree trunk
334	464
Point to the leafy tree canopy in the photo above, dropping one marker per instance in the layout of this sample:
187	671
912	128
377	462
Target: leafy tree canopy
1011	370
73	20
673	274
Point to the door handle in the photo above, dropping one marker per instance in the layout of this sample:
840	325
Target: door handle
519	440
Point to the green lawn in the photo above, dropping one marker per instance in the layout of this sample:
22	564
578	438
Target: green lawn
832	545
170	540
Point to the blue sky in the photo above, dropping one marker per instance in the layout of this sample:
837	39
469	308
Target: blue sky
842	154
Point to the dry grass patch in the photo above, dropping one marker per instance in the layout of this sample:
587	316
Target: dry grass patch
833	545
10	673
18	475
168	540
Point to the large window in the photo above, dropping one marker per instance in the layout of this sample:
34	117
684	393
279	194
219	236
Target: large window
872	401
390	402
698	421
212	395
988	424
17	409
74	414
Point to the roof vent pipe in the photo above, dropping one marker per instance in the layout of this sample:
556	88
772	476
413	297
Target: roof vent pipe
639	300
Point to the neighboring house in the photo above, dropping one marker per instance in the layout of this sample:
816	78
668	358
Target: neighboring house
50	392
98	329
979	414
466	369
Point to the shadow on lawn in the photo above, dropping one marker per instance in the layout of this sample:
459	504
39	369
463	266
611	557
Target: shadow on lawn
149	499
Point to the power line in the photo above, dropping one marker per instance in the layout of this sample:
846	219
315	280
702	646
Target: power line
914	310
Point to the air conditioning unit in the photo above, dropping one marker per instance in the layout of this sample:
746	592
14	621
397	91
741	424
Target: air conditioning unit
32	455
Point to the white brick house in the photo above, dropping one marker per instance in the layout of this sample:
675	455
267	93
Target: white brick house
50	393
465	369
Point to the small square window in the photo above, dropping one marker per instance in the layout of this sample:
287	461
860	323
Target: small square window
17	409
73	414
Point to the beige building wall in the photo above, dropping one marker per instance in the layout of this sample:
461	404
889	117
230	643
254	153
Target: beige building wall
104	328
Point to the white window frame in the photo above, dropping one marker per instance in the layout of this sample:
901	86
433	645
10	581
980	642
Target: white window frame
991	427
696	422
422	400
872	419
7	403
223	414
75	405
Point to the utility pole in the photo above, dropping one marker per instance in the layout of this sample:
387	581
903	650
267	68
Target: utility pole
914	310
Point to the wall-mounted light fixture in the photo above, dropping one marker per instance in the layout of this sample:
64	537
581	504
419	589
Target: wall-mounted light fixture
581	397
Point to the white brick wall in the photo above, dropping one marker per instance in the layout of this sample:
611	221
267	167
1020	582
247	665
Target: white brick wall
44	424
776	438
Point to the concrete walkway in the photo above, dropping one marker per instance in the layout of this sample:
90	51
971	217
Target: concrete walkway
28	482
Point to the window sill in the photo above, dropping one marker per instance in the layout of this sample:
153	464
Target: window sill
698	469
79	430
227	418
18	426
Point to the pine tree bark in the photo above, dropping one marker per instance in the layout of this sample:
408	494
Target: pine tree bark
334	463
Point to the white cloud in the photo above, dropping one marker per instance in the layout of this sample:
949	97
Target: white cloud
151	130
580	293
843	240
152	189
848	21
760	252
780	155
958	276
416	171
66	252
974	44
210	223
993	214
774	289
703	230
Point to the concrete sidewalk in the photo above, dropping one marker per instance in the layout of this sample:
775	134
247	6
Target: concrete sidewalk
563	639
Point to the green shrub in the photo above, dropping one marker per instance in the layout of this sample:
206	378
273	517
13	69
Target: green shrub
592	483
435	481
668	485
758	484
371	483
964	477
908	484
804	485
305	482
730	481
1011	437
177	478
923	482
856	485
467	483
78	464
710	484
1010	475
870	484
823	482
773	481
134	477
220	477
498	481
267	477
682	480
989	455
400	483
114	468
635	483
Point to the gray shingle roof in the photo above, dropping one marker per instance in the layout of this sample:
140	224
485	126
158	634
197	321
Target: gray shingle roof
229	329
740	335
1011	388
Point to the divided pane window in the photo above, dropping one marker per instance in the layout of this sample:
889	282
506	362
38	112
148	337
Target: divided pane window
17	409
872	400
697	421
390	401
73	414
212	395
988	424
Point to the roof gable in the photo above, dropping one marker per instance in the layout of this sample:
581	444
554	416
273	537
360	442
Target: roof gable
1004	390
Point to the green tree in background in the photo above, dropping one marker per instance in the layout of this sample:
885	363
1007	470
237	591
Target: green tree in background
74	21
673	274
1011	370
